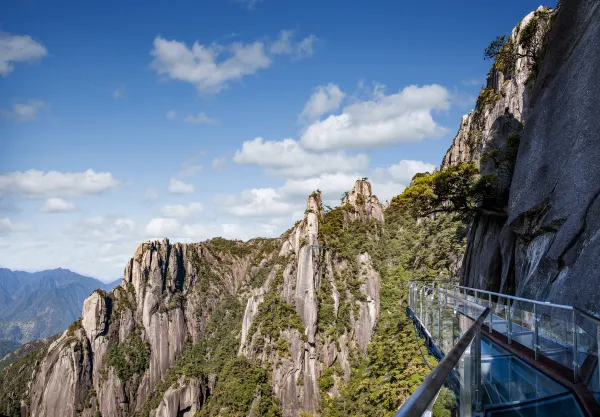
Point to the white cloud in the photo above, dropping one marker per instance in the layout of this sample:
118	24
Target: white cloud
200	118
284	45
256	202
382	121
305	47
105	228
403	171
181	211
180	187
175	230
171	115
218	163
118	93
18	48
7	226
331	185
212	67
201	66
192	165
163	227
289	159
22	112
392	180
39	184
57	205
325	99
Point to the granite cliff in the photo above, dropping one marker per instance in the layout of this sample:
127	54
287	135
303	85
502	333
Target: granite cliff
541	241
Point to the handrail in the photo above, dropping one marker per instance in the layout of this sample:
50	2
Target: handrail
512	297
462	300
418	402
527	300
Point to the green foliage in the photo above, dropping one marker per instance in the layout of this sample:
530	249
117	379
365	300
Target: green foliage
394	369
73	327
494	48
240	382
14	380
209	355
488	96
502	51
130	357
224	246
274	315
455	189
445	404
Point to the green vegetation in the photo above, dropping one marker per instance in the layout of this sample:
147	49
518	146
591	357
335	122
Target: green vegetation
209	356
15	377
233	247
73	327
488	96
394	368
457	189
532	39
240	382
274	315
129	358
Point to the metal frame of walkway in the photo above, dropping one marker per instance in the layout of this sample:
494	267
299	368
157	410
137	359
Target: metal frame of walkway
557	340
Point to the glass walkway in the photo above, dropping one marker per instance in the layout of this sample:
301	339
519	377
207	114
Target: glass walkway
503	356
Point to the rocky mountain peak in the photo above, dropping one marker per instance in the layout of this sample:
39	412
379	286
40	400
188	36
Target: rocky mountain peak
361	204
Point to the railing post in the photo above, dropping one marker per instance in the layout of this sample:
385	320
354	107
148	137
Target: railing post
509	322
478	388
491	322
536	347
439	319
575	350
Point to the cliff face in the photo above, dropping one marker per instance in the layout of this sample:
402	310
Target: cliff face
155	345
542	243
322	330
551	234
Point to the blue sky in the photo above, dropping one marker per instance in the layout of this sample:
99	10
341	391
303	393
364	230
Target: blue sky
126	121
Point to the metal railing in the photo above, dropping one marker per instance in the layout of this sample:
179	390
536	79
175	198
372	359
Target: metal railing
562	326
425	395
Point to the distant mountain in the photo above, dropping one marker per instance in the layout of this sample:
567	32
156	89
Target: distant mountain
40	304
6	347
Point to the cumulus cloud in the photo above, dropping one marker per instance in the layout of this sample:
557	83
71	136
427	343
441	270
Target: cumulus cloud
256	202
285	45
403	171
57	205
331	185
105	228
181	211
324	99
53	184
192	232
7	226
200	118
163	227
18	48
212	67
180	187
22	112
289	159
381	121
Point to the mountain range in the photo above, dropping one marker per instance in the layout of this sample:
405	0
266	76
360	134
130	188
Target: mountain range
41	304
